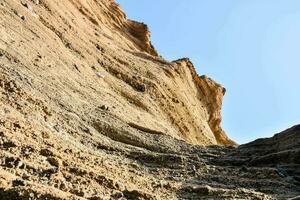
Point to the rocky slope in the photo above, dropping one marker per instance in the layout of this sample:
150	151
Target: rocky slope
88	110
76	56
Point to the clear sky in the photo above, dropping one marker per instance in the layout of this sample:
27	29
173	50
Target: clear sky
252	47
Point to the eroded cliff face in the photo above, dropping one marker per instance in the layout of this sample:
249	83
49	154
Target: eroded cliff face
89	111
90	48
211	95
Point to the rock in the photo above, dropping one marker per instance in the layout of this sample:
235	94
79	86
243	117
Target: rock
31	195
78	171
141	88
100	48
54	161
97	197
19	164
26	176
23	17
203	190
100	75
78	192
46	152
136	194
18	182
62	186
12	162
29	7
49	172
117	195
280	173
119	186
104	107
57	128
170	132
5	143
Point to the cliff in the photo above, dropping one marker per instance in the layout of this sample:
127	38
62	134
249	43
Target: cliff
89	110
63	47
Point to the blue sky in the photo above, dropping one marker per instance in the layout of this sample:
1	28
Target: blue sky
252	47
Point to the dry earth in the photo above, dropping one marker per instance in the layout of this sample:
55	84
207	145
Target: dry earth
89	110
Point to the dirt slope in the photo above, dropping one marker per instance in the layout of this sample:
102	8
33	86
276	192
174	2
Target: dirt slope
88	110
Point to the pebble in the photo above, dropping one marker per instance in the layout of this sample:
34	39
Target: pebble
104	107
100	75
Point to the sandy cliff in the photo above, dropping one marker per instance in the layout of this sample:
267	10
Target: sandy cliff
89	110
80	55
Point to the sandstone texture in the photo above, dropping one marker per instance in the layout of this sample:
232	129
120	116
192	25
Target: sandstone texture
89	110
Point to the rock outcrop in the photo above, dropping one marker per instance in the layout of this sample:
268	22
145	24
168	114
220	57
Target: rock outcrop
88	110
82	55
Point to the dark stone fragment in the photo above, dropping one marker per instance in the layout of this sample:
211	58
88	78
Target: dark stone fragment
18	182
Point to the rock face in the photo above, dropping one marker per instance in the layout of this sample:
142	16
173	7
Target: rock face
88	110
281	150
75	56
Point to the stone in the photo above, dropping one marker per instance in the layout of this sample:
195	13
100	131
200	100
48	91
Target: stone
104	107
141	88
54	161
100	75
18	182
136	194
19	164
117	195
46	152
26	176
62	186
57	128
97	197
100	48
119	186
